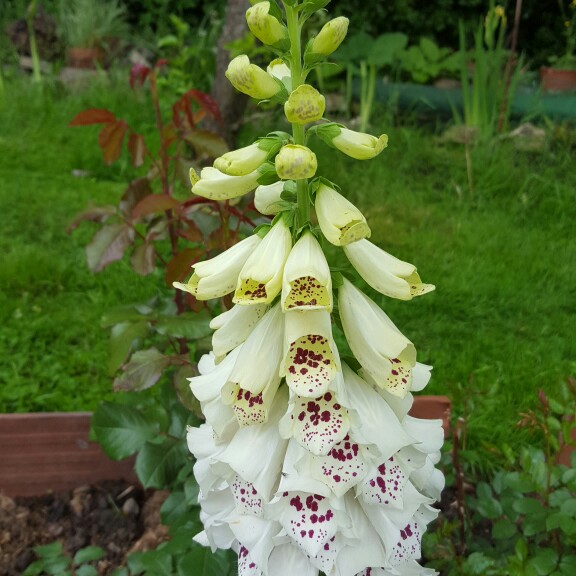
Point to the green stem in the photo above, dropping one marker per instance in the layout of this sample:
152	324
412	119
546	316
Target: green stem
298	131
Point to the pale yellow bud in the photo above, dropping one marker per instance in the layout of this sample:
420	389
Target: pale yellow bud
242	161
304	105
264	26
331	36
251	79
295	162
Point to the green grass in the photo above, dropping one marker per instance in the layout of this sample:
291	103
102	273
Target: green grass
499	326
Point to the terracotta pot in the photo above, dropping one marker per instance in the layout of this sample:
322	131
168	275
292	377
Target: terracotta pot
52	452
432	408
553	80
86	58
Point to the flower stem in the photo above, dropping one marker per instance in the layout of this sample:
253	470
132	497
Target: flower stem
298	132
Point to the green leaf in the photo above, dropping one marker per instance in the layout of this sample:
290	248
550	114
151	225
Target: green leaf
125	314
568	564
489	507
121	430
202	562
86	570
57	566
88	554
528	506
193	326
182	387
119	572
519	482
567	523
521	549
503	529
34	569
153	563
569	507
122	338
386	48
142	371
544	562
157	465
477	563
191	490
51	550
173	509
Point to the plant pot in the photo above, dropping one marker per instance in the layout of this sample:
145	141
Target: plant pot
86	58
51	452
433	408
556	80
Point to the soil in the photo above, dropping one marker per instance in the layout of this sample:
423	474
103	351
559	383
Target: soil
117	516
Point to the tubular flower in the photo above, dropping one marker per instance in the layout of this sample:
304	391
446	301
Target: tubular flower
340	221
310	356
242	161
384	272
260	279
330	37
217	185
357	145
384	352
217	277
264	26
307	284
251	79
267	198
304	105
295	162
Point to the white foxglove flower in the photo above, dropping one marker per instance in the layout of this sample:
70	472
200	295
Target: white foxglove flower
242	161
267	198
233	327
217	185
260	279
382	350
265	27
218	276
357	145
384	272
280	70
340	221
311	358
251	79
307	283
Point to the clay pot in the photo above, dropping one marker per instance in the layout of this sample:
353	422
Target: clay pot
432	408
556	80
86	58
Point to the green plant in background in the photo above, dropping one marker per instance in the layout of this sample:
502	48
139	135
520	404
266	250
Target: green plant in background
568	13
487	90
53	561
191	55
426	61
91	23
364	56
30	17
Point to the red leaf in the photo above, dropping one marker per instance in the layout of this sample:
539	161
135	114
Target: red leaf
143	259
138	74
93	214
108	245
137	189
110	140
178	269
169	134
92	116
191	233
153	204
136	148
206	102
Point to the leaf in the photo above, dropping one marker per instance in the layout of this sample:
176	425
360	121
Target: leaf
142	371
52	550
157	465
503	529
88	554
143	259
86	570
206	143
201	561
125	314
34	569
137	148
544	562
179	268
108	245
206	102
93	116
92	214
122	338
136	191
152	563
569	507
119	572
121	430
173	509
110	140
189	326
182	387
153	204
528	506
519	482
192	232
386	47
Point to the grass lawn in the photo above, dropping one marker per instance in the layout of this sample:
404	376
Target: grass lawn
497	240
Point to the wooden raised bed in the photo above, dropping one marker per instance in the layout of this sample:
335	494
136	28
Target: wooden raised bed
51	452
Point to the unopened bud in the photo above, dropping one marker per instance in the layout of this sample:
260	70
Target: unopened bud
295	162
331	36
304	105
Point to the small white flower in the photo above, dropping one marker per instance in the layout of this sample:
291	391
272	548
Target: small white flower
382	350
216	185
251	79
307	283
357	145
218	276
242	161
267	198
340	221
260	279
385	273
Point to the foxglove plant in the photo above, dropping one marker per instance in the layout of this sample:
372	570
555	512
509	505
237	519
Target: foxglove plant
305	464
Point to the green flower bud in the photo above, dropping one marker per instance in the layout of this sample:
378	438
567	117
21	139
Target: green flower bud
304	105
251	79
265	26
357	145
295	162
331	36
